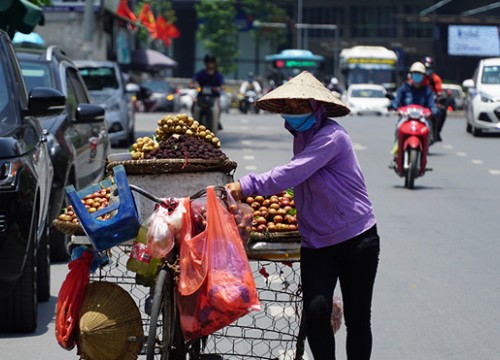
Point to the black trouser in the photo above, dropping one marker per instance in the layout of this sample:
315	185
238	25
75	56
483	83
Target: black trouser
354	263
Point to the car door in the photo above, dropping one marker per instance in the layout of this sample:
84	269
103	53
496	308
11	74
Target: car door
91	144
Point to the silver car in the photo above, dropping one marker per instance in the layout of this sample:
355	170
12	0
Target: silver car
106	87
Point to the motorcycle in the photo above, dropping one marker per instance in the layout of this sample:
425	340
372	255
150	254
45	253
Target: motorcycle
413	143
203	108
247	102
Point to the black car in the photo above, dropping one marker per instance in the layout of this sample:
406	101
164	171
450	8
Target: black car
78	141
162	94
25	183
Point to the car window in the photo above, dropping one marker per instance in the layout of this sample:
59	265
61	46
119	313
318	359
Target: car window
36	74
75	92
491	75
157	86
99	78
367	93
7	119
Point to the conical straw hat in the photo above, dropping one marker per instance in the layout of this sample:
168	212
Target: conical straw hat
110	324
302	87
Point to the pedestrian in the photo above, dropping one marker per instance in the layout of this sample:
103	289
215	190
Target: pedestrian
335	216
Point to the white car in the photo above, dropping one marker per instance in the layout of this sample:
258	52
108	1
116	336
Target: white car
457	93
367	99
482	105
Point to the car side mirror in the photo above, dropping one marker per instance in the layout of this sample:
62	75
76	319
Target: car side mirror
469	83
44	101
89	113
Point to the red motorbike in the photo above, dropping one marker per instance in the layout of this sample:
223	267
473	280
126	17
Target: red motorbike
413	143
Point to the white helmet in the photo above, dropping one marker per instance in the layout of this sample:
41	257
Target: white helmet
334	81
417	67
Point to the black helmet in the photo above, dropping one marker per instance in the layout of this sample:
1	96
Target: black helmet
209	59
428	62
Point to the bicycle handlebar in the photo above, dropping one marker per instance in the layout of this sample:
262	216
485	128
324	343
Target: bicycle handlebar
158	200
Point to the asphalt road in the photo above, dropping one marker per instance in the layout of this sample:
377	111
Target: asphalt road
437	290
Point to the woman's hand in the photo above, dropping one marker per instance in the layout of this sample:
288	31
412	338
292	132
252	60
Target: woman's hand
235	190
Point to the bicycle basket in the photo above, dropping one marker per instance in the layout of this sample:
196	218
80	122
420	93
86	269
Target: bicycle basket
122	226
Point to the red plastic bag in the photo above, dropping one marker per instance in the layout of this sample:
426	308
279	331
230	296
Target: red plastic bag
70	299
216	285
243	215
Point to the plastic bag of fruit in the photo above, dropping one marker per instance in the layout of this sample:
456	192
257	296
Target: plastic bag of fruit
243	215
224	288
165	226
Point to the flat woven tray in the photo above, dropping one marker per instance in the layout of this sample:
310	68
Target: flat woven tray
68	228
282	237
162	166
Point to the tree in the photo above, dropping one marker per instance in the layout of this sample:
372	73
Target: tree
218	32
272	12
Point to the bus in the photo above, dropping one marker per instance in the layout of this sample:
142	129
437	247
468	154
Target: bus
369	65
291	62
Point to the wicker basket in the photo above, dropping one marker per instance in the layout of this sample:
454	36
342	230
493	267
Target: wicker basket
282	237
162	166
68	228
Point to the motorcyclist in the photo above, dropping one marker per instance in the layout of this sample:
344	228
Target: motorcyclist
334	86
210	77
250	84
414	92
434	81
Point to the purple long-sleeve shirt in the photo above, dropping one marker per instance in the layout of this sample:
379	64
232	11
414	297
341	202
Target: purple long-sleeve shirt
329	189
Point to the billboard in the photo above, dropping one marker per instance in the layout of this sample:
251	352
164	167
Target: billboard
471	40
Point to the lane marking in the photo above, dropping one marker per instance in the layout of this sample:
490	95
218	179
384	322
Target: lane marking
249	157
461	153
449	147
477	161
250	167
359	147
246	142
495	172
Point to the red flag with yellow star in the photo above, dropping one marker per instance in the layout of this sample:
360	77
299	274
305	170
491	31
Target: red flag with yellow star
148	20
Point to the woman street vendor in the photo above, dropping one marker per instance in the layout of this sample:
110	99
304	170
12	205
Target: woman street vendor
336	220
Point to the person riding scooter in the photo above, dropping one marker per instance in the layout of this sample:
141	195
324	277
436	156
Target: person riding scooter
250	92
211	83
415	92
434	81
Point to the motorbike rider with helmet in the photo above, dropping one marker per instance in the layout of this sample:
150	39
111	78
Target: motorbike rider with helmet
434	81
334	87
209	77
250	84
415	92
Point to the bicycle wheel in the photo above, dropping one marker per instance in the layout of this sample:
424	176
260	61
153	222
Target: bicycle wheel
162	327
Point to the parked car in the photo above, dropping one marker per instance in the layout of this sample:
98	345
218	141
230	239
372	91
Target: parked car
162	93
482	105
107	88
457	93
78	141
367	98
26	175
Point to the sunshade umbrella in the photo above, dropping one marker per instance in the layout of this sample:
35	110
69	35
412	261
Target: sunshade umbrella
148	59
19	15
110	324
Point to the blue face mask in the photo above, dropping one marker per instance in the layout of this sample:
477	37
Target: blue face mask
300	122
417	78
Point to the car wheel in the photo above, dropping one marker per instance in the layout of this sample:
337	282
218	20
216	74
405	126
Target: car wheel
476	132
468	128
43	267
58	246
19	312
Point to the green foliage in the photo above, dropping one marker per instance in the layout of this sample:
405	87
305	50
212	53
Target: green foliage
268	11
41	2
218	32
